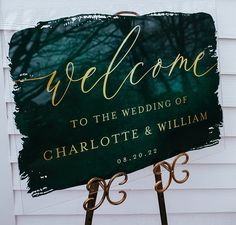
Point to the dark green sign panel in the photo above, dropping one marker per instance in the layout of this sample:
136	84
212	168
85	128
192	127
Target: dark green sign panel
100	94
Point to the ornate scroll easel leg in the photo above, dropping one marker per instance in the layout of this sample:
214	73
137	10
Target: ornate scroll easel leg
92	195
161	197
170	167
90	204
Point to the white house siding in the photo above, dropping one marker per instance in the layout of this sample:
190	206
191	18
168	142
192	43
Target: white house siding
209	196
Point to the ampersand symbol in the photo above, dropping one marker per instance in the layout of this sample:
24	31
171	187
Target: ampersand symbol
148	130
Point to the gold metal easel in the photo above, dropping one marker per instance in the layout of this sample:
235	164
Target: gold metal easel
159	185
93	185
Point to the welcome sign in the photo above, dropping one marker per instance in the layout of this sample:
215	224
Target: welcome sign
100	94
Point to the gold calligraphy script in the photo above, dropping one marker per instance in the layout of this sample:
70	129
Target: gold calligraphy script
180	61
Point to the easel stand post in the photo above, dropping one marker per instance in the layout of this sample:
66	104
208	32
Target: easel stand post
93	185
92	195
170	167
161	198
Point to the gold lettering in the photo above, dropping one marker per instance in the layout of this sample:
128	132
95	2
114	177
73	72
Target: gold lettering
160	105
125	133
162	126
74	122
83	146
157	68
54	89
195	119
105	117
189	120
88	74
93	146
135	134
133	110
115	137
175	124
140	109
73	150
198	58
125	112
63	152
113	115
47	155
203	116
106	143
110	69
182	122
96	118
183	62
180	61
168	103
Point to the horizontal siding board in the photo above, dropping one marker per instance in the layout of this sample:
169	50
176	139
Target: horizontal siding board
15	146
174	219
228	92
6	189
226	18
11	121
229	121
9	86
227	49
138	202
222	153
202	176
26	13
6	36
